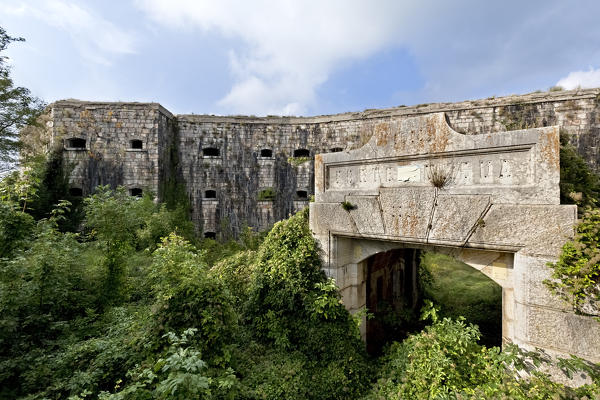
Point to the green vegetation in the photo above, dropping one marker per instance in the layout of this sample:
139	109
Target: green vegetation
127	308
121	301
459	290
267	194
18	108
296	161
445	361
576	274
579	184
346	205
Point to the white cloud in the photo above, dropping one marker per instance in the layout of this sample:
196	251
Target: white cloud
462	49
97	39
584	79
291	47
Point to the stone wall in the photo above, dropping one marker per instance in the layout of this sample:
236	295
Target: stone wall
230	155
113	143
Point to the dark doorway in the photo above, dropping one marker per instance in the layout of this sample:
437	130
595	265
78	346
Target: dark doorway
393	297
136	144
210	235
137	192
210	194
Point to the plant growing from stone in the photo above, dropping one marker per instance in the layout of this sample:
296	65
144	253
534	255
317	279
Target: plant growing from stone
346	205
439	175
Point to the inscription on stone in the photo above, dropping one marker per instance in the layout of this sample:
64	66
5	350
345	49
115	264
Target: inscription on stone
478	169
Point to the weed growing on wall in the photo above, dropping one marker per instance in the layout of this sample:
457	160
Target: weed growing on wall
267	194
297	161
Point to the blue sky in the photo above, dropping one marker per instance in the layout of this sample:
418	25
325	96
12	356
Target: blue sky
299	57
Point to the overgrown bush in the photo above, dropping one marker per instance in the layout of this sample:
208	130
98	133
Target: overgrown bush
578	182
235	272
179	374
188	296
444	361
294	308
576	274
16	227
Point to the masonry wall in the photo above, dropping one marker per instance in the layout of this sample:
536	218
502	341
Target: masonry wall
229	155
104	154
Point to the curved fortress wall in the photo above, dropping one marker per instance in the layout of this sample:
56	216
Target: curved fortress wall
250	171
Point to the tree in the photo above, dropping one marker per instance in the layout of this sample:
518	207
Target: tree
18	108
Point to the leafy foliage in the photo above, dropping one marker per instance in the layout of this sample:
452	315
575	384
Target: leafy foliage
578	182
16	228
179	374
458	290
188	296
445	361
17	108
347	206
576	274
294	309
129	309
267	194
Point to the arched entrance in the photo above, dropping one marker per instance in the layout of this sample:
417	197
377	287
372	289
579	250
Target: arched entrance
489	200
373	271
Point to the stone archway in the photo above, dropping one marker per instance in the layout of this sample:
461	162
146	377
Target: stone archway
354	253
490	200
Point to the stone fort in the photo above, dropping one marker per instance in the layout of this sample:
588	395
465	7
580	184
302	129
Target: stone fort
243	171
477	180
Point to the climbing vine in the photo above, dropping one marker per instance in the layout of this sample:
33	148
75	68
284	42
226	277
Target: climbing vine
576	274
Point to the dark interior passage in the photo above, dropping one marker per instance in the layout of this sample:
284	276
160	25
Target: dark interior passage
392	296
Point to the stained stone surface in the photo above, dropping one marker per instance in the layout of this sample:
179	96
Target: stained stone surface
173	146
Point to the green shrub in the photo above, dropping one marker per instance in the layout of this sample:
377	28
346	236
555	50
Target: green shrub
347	206
293	308
235	272
16	227
161	223
444	361
579	184
460	290
188	296
576	274
179	374
296	161
287	269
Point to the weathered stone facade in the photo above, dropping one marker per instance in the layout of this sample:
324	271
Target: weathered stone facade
490	200
229	165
